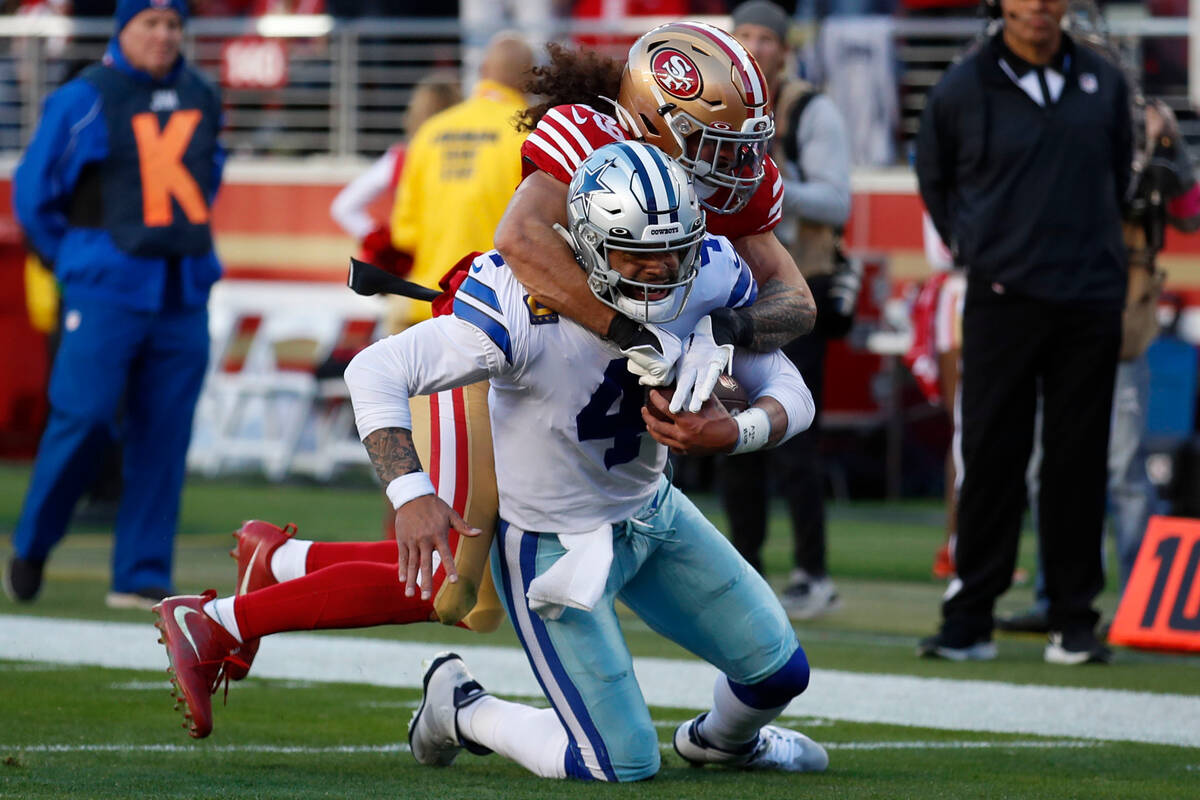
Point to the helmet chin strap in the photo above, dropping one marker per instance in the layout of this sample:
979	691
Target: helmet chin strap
624	118
565	234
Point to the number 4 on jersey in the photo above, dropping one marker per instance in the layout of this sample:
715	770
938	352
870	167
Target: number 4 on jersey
624	426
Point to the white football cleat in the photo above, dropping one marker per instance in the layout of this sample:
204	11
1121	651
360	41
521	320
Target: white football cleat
775	748
695	749
808	598
433	732
786	750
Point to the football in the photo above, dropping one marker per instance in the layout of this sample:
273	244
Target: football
731	394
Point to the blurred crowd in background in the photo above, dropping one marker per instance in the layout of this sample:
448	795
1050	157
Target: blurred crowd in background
876	77
334	91
875	69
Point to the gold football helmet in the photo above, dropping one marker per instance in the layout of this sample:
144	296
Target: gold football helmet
691	90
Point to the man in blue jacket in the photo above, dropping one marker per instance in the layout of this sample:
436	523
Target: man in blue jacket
116	191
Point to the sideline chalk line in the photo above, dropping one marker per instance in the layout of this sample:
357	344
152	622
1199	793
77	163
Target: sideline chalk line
939	703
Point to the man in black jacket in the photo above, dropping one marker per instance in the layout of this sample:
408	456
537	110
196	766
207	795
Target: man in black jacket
1023	162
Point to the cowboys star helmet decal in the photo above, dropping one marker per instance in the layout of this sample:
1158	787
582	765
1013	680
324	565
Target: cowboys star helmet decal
592	184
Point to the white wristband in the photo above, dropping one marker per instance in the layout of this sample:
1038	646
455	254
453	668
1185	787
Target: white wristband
754	430
409	487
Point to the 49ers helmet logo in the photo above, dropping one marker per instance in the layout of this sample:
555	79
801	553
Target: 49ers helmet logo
676	74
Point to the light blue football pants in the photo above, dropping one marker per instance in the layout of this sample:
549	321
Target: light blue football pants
686	581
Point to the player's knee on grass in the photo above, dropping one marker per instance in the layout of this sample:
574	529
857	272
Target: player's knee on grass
632	755
639	757
778	688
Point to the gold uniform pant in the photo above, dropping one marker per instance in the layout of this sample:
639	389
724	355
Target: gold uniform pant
453	437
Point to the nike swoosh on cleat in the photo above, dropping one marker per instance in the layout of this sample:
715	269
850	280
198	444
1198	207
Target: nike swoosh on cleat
181	613
249	568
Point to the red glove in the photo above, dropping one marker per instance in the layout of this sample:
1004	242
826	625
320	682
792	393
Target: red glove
444	303
376	248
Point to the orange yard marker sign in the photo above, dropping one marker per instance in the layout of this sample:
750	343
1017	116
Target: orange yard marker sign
1160	609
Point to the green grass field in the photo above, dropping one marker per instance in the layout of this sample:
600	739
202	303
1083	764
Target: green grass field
90	732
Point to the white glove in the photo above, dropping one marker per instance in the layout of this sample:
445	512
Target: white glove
652	357
845	286
700	366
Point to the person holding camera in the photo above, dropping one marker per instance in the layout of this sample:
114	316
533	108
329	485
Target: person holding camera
810	146
1023	160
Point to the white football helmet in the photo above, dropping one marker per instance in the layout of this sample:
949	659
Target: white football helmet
630	196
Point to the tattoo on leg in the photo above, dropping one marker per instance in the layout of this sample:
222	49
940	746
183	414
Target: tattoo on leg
781	313
392	453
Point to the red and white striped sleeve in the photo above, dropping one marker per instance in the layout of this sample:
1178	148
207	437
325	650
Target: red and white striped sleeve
564	137
775	181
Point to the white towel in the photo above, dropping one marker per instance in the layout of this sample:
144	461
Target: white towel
578	578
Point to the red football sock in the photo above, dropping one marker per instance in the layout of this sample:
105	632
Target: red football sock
354	594
326	554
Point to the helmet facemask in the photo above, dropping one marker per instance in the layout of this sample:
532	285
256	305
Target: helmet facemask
723	159
628	197
641	302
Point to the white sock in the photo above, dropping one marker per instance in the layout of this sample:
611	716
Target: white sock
287	562
221	610
732	723
532	737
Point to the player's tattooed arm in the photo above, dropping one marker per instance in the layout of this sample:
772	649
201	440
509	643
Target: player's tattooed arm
392	453
780	314
785	307
422	523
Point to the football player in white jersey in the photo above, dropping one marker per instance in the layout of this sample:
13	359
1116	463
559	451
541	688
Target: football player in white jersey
696	93
693	91
286	584
587	515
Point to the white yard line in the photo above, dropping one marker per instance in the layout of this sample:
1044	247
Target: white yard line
989	706
401	747
964	745
282	749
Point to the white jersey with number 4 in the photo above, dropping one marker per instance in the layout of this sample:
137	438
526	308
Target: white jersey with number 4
571	449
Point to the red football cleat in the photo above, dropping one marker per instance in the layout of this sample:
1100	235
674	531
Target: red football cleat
200	651
256	543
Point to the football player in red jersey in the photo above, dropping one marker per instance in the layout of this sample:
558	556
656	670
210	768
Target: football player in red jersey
693	91
687	88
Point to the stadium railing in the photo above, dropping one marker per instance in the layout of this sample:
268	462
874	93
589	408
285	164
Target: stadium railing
314	85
